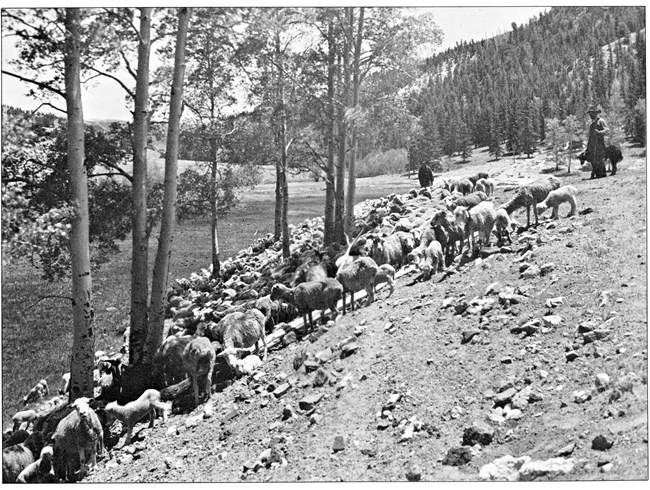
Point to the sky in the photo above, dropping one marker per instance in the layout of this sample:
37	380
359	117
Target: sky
105	100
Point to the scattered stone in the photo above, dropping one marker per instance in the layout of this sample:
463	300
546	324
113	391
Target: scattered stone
311	366
506	360
505	468
172	431
339	444
602	381
607	468
289	338
572	356
589	337
372	452
468	335
546	268
531	273
587	326
552	320
321	377
567	450
504	397
192	422
287	412
529	328
413	473
458	456
601	443
315	418
478	433
324	355
383	424
349	348
308	402
407	435
550	468
581	396
281	390
493	288
554	302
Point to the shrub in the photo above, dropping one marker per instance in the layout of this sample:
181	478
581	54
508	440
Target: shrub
382	163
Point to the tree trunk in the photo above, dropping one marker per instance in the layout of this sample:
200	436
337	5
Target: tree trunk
216	261
83	341
352	178
163	255
140	241
282	188
277	228
331	166
339	221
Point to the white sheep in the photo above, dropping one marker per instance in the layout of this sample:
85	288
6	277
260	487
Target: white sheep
558	196
19	456
529	195
357	275
433	260
37	393
131	413
168	360
464	186
41	470
77	440
479	219
385	274
503	225
387	250
198	360
310	296
240	330
66	384
24	416
454	234
484	185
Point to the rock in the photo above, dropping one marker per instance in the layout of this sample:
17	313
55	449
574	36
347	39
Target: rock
588	326
602	381
324	355
308	402
602	333
208	411
315	418
321	377
172	431
230	415
392	401
514	414
606	468
469	334
506	360
478	433
505	468
458	456
567	450
192	422
413	473
339	444
349	348
546	268
531	273
311	366
529	328
601	443
281	390
383	424
589	337
550	468
287	412
554	302
372	452
408	433
552	320
506	297
504	397
289	338
581	396
572	356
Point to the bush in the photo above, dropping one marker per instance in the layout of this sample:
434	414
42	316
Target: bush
382	163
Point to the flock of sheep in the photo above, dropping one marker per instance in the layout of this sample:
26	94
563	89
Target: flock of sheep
450	222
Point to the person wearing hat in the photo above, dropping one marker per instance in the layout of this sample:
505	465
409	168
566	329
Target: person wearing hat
425	175
596	143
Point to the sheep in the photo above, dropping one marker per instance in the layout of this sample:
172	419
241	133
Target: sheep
198	361
41	470
356	275
531	194
555	198
37	393
433	260
77	440
309	296
479	219
14	437
485	185
502	225
271	311
238	330
168	360
23	416
308	272
480	175
464	186
66	384
612	153
387	250
468	201
134	411
16	458
428	235
385	273
455	234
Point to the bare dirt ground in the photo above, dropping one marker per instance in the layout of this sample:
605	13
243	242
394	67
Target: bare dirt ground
418	369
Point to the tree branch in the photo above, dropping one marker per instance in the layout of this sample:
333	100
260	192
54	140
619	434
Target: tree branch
48	297
48	104
128	64
119	173
112	77
43	85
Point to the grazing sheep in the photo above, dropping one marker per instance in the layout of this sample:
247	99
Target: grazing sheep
23	416
77	440
433	260
385	273
356	275
271	311
387	250
241	330
502	225
479	219
37	393
134	411
530	195
468	201
428	235
310	296
485	185
198	361
478	176
464	186
455	234
555	198
41	470
168	360
18	457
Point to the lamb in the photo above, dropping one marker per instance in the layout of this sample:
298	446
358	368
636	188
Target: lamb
168	360
485	185
558	196
387	250
433	260
134	411
310	296
465	186
479	219
16	458
455	234
37	393
468	201
77	440
385	273
478	176
531	194
356	275
428	235
41	470
198	361
238	330
503	225
23	416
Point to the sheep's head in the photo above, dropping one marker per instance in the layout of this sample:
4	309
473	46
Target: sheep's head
461	215
279	291
82	406
541	207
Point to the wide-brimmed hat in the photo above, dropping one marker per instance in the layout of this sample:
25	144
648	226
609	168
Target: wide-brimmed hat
592	108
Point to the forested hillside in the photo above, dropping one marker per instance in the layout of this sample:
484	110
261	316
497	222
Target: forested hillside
499	92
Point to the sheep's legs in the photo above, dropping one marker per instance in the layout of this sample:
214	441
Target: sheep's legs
152	416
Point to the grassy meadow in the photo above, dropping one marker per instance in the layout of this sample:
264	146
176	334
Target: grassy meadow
36	315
